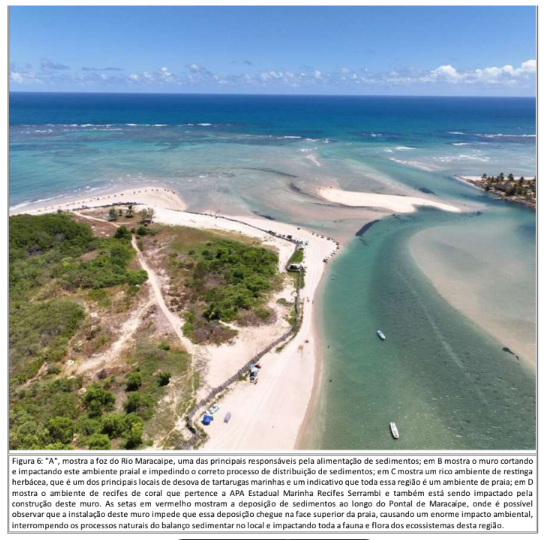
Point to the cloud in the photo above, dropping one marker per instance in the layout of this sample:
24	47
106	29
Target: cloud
101	69
197	68
46	64
200	78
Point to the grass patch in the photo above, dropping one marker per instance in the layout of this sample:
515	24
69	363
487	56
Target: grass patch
297	257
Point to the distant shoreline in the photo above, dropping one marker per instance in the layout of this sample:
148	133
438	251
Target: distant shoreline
479	183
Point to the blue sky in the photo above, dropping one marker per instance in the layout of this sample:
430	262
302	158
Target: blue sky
277	50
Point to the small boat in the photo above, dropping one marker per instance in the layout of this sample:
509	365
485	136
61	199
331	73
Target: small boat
381	335
394	430
227	417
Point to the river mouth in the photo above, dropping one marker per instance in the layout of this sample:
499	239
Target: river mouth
446	383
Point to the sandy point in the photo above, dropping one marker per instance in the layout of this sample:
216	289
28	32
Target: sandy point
153	196
400	204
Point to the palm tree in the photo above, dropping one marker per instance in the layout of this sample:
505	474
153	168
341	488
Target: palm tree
511	177
147	215
129	211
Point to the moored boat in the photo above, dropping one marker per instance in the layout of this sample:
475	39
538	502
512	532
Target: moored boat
394	430
381	335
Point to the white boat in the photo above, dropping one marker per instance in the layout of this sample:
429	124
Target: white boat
394	430
381	335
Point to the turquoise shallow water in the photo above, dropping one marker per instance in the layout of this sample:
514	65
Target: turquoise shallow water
446	384
440	375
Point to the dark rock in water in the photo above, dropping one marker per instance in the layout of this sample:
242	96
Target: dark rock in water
426	190
271	171
366	227
265	216
510	351
295	188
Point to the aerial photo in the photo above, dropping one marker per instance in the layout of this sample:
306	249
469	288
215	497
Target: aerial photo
272	228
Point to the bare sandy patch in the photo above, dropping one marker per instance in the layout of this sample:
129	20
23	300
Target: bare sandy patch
395	203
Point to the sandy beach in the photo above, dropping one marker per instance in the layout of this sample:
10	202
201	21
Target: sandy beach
153	196
393	203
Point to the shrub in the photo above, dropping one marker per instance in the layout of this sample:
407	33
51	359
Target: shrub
113	425
97	400
99	442
163	378
138	403
122	233
134	381
87	426
134	437
61	429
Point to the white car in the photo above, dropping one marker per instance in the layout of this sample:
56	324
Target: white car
213	409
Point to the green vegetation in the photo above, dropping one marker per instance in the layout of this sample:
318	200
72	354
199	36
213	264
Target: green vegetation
217	281
297	257
56	414
509	186
147	215
57	268
163	378
122	233
144	231
51	258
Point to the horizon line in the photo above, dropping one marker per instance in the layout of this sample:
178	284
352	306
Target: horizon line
269	95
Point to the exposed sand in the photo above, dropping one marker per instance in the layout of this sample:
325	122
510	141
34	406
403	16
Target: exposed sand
394	203
153	196
500	295
268	415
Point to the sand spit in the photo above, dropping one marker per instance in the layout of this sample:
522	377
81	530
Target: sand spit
394	203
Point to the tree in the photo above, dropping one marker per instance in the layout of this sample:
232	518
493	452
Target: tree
98	399
112	215
61	429
521	181
133	402
484	177
511	177
163	378
122	233
147	215
129	211
113	425
135	436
